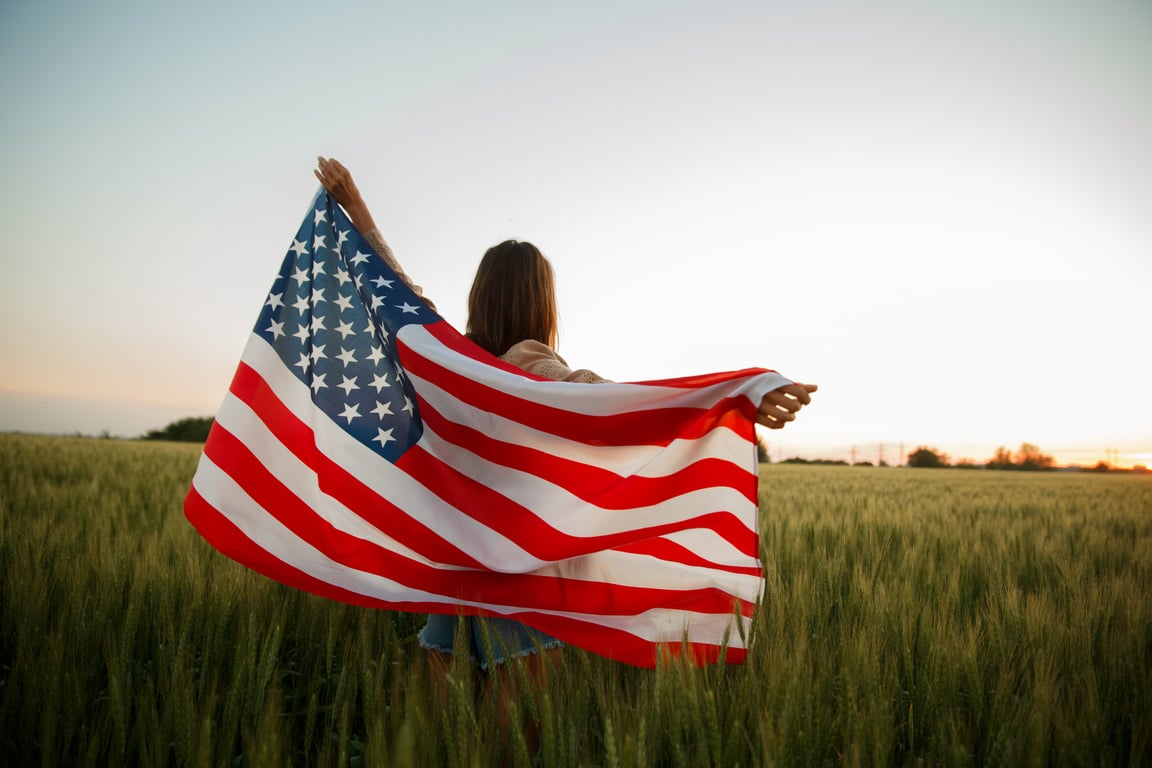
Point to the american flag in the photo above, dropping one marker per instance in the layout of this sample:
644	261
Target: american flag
369	453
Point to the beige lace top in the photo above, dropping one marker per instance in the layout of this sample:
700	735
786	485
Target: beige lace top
529	355
539	358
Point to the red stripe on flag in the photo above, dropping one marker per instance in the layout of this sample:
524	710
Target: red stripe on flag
538	537
648	427
629	648
462	345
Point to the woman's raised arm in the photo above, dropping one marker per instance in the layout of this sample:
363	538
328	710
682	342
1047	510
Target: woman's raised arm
338	181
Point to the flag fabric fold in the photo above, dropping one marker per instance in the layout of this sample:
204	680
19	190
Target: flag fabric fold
369	453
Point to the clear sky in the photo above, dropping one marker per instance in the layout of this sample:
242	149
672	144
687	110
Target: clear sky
940	212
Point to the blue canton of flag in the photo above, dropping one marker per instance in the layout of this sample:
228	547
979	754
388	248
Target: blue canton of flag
332	316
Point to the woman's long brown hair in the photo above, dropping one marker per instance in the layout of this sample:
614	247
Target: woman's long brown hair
513	298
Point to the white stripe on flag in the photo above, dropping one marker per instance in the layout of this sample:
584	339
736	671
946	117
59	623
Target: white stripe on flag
625	396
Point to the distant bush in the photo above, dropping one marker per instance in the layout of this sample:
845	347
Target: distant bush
1031	457
927	457
193	429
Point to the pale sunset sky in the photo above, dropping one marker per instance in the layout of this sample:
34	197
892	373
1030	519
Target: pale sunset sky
940	212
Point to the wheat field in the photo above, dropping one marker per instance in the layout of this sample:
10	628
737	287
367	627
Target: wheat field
910	617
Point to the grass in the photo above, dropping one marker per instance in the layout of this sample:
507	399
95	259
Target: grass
910	617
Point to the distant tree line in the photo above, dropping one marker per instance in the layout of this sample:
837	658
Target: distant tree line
798	460
1028	457
193	429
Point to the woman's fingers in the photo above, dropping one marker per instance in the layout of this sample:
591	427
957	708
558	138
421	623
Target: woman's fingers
771	416
783	399
776	410
799	391
323	173
330	169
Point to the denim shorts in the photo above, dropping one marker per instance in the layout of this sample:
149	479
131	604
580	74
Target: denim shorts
489	639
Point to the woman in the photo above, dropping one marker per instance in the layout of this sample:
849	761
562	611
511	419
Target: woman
511	314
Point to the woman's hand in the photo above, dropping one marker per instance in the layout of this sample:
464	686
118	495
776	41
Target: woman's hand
338	181
780	405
